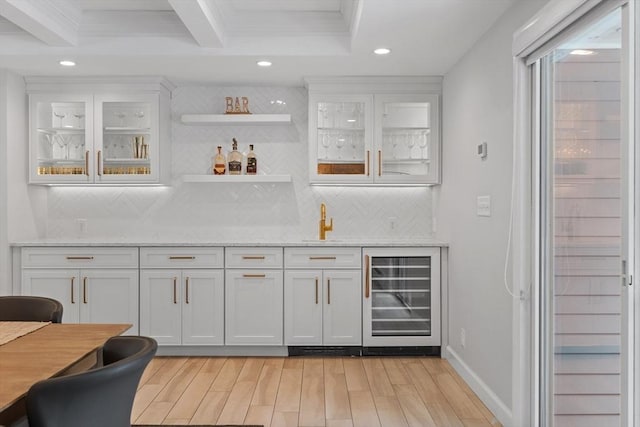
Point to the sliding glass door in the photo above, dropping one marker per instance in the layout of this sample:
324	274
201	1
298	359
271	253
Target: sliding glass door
584	223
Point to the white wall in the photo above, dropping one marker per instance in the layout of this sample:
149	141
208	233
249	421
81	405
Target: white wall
477	107
23	208
188	212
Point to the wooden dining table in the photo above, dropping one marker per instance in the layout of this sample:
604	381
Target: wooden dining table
54	350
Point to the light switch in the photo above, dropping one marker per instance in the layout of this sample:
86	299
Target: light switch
483	206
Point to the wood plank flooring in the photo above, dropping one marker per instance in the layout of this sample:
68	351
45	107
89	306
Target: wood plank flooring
307	391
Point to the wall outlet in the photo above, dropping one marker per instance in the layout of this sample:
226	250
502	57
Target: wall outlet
483	206
463	337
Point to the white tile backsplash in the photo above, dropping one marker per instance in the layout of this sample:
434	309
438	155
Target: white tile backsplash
209	211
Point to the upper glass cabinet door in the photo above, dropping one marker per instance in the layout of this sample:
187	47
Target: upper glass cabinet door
407	139
60	138
340	139
127	138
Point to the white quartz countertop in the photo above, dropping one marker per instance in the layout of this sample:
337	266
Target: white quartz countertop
250	243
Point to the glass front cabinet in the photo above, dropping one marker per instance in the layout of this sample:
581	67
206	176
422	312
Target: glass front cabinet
97	137
374	139
401	305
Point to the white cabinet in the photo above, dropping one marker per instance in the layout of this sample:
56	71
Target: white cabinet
98	133
401	304
374	132
322	296
94	285
253	296
182	295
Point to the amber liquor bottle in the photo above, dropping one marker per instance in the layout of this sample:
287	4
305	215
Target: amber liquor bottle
219	163
235	160
252	161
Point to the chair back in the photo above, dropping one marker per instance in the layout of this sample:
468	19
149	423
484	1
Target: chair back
30	308
101	397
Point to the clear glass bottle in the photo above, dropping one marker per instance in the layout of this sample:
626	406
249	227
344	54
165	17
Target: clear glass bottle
235	160
252	161
219	163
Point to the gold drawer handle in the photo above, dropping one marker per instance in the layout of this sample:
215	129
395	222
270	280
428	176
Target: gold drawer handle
73	299
84	290
321	257
187	291
181	257
79	257
253	257
254	276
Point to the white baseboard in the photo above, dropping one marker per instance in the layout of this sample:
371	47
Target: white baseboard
486	395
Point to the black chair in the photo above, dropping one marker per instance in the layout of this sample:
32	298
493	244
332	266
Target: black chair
28	308
101	397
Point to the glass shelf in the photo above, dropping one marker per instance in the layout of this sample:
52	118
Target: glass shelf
65	130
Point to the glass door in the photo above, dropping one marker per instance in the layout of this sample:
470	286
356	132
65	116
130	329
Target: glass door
340	146
407	139
402	297
584	222
127	138
60	138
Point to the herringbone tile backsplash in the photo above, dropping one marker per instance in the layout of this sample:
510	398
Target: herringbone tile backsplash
206	212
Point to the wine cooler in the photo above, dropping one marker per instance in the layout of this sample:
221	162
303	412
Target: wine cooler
401	305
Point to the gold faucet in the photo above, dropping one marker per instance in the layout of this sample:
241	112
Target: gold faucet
323	222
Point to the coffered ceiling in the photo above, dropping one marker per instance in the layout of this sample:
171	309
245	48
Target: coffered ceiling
220	41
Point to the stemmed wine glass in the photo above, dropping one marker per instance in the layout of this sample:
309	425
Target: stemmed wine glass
79	117
60	115
139	115
353	139
423	141
120	115
339	144
411	142
325	144
394	143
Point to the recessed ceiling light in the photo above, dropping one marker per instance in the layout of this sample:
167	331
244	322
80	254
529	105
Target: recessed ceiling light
382	51
67	63
264	64
582	52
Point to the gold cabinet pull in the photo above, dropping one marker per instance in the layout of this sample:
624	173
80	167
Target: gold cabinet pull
254	276
86	162
366	276
368	162
84	289
99	165
316	290
175	290
181	257
328	291
315	258
79	257
253	256
379	162
187	291
73	298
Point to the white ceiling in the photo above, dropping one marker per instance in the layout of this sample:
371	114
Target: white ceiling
219	41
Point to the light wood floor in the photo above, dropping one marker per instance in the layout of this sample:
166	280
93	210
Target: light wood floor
307	391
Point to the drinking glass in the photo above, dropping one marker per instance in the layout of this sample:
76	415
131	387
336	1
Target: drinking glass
339	144
120	115
325	144
60	115
411	142
140	116
79	117
423	142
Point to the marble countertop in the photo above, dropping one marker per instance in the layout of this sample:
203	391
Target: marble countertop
238	243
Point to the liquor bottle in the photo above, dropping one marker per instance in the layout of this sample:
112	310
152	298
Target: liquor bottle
252	161
235	160
219	163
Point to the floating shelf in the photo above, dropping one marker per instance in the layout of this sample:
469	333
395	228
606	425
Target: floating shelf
236	178
245	119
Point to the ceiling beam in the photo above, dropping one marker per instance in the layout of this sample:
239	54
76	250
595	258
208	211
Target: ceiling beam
55	22
202	20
